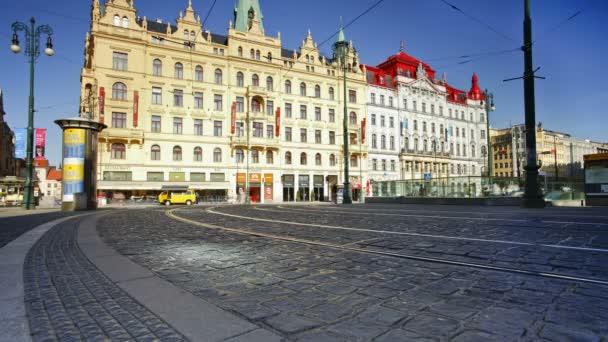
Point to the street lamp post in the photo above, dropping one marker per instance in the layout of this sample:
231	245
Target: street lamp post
341	52
32	50
489	106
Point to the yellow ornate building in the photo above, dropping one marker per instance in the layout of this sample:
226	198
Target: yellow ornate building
169	93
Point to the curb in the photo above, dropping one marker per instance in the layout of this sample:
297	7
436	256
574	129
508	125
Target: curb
193	317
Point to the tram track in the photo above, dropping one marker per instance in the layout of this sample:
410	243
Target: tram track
348	247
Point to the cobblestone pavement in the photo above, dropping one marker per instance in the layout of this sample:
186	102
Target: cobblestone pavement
14	226
315	293
68	299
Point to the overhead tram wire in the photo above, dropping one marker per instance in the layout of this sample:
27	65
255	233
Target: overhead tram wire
557	26
209	13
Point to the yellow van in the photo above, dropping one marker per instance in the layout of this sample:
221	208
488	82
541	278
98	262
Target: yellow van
187	197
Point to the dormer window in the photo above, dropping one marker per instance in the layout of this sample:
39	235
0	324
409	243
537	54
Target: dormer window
125	22
116	20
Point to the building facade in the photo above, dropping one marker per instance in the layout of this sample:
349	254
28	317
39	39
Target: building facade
7	145
218	113
503	155
439	131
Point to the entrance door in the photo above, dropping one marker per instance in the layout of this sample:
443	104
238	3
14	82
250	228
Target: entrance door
255	194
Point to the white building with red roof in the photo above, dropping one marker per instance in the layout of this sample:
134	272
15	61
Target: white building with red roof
439	130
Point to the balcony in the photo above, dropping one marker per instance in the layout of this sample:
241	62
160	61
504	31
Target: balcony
127	135
255	142
424	153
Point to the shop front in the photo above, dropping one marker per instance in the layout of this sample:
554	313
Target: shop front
268	187
255	187
355	184
319	187
288	188
304	188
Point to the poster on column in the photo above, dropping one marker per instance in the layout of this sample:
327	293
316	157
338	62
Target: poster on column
40	143
20	140
73	162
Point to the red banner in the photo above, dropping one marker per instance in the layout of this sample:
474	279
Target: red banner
363	124
233	118
278	122
135	108
102	103
40	142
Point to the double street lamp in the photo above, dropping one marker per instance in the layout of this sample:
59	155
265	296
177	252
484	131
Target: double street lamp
32	50
489	107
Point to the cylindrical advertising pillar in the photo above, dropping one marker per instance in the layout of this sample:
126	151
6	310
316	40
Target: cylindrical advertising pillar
79	163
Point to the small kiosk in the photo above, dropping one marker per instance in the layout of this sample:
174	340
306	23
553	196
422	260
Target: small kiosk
596	179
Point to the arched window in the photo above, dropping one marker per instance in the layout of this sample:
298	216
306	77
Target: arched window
332	94
157	67
269	83
269	57
125	22
354	161
198	154
352	118
473	152
177	153
198	73
317	91
416	144
240	156
119	91
155	152
256	106
318	159
257	55
192	35
288	158
186	34
255	80
116	20
252	53
118	151
332	160
179	71
303	158
240	51
218	76
424	144
240	79
255	156
269	157
383	142
303	89
217	155
374	141
288	87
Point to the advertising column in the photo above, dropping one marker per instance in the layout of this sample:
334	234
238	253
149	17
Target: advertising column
73	162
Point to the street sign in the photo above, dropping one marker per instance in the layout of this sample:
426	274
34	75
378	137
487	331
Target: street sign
428	176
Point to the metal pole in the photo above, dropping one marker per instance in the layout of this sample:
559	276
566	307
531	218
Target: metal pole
361	163
347	197
555	156
29	161
532	197
247	198
489	98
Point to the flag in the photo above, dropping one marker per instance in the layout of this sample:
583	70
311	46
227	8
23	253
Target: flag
233	118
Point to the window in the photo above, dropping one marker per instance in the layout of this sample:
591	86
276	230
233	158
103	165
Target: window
155	152
157	67
424	126
457	132
415	125
303	89
332	160
390	101
288	134
432	109
352	118
218	76
404	103
433	127
423	107
318	113
332	137
383	142
240	129
156	122
482	117
269	107
382	100
119	120
255	80
178	98
198	127
198	154
332	94
288	158
374	141
317	91
441	110
258	130
198	73
472	134
464	133
240	79
217	102
252	54
217	155
318	136
255	157
255	105
240	51
318	159
178	125
303	135
373	98
303	112
177	153
269	157
415	105
391	122
416	144
383	164
373	119
303	159
287	87
120	61
352	96
257	55
116	20
157	96
392	143
198	100
269	131
332	115
125	22
353	138
179	71
382	121
240	156
374	164
483	134
240	104
288	111
119	91
217	128
393	166
269	57
269	83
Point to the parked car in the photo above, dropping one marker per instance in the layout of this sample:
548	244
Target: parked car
177	197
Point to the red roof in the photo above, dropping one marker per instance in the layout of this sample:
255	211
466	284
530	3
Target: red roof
54	175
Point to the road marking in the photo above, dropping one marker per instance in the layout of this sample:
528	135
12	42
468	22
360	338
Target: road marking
170	213
586	249
443	217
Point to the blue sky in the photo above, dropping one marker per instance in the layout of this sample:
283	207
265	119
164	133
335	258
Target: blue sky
571	56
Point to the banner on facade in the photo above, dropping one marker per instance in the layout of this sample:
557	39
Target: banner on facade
278	122
363	124
135	108
40	143
73	162
20	141
233	118
102	103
